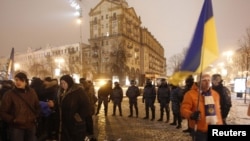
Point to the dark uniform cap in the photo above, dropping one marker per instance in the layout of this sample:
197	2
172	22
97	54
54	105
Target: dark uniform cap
189	79
132	82
163	80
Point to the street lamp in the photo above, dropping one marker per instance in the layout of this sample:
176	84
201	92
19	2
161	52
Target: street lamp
16	66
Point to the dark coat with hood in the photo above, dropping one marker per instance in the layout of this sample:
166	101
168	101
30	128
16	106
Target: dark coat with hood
73	108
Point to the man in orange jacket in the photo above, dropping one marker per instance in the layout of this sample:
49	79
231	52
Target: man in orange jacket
201	106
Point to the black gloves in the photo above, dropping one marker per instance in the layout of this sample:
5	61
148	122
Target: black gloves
195	115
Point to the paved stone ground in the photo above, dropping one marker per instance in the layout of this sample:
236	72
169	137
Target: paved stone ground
136	129
112	128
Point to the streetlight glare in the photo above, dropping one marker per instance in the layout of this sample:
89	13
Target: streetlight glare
77	14
79	21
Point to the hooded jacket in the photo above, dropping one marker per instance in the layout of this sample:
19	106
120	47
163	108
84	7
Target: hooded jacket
74	107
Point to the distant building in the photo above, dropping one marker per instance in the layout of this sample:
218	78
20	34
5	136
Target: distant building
114	28
119	48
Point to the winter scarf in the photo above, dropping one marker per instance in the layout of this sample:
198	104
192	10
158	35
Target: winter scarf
209	108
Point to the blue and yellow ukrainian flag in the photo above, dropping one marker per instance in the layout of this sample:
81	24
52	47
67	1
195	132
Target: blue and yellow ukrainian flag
203	49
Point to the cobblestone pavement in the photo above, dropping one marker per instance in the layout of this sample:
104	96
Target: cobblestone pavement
137	129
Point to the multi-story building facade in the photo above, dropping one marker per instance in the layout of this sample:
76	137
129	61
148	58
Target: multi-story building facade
119	49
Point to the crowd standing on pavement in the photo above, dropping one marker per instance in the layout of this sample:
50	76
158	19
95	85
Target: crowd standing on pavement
62	110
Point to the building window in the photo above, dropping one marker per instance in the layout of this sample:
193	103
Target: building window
95	20
107	16
101	17
114	16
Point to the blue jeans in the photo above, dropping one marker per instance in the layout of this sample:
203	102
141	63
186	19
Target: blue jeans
23	134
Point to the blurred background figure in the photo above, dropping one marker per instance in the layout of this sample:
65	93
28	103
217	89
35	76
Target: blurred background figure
90	91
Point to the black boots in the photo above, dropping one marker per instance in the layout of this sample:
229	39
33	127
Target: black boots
131	112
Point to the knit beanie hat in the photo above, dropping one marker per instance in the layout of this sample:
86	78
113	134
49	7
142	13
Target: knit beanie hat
68	79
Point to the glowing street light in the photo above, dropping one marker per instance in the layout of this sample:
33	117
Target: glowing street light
16	66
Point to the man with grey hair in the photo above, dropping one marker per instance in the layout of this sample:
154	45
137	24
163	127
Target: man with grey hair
201	106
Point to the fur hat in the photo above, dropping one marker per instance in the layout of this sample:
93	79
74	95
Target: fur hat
68	79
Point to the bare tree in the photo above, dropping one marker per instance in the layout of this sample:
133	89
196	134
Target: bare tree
175	61
241	60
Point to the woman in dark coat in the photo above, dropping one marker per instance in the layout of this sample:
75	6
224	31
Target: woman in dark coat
73	108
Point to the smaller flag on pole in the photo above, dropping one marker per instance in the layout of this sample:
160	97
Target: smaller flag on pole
203	49
10	71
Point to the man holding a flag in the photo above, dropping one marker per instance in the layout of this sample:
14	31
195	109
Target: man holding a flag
201	106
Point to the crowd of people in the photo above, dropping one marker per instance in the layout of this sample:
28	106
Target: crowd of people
62	110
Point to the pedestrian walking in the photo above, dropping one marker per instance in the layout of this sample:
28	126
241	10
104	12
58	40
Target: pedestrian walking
104	93
132	93
201	105
149	96
116	97
163	97
225	96
20	109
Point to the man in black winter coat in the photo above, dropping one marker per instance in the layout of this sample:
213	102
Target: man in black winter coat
149	96
132	93
225	96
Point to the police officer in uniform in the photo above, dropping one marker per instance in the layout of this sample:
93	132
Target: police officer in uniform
132	93
149	95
